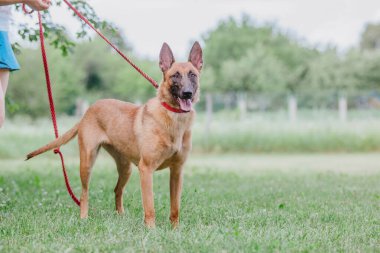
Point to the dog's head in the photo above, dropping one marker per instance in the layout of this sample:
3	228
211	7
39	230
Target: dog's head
180	86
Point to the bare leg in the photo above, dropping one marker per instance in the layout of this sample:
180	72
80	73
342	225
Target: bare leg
176	179
4	78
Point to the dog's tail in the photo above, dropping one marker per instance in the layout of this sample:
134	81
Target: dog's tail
65	138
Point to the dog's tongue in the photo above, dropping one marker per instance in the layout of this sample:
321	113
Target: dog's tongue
185	104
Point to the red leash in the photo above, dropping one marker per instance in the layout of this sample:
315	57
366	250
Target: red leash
153	82
48	83
49	89
52	108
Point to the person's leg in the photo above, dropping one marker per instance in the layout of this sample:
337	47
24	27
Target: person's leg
4	78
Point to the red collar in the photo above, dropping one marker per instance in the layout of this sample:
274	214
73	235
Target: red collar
172	109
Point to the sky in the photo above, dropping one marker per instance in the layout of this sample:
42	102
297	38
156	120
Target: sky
148	23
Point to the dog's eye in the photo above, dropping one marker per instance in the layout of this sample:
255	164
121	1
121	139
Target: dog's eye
176	75
192	75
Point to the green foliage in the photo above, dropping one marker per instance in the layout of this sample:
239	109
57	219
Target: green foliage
368	70
28	89
231	39
331	71
115	77
351	72
247	57
370	39
243	56
57	35
207	79
93	72
257	71
90	73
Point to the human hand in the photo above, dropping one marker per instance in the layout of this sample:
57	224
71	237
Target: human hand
38	5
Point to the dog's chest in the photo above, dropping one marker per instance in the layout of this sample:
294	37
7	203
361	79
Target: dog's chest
175	137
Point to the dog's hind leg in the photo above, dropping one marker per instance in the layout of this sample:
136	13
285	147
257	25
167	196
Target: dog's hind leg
124	169
89	149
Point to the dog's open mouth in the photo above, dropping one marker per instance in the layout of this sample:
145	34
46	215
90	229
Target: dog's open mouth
185	104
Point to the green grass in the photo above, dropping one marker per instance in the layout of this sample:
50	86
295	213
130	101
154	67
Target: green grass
265	132
231	203
301	202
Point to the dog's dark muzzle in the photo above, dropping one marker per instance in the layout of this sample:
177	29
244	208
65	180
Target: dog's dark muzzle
187	95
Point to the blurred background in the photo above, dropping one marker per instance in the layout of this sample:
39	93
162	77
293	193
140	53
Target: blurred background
285	144
279	76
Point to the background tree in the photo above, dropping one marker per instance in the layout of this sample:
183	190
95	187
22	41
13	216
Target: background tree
80	75
368	73
370	39
257	71
247	63
57	35
249	58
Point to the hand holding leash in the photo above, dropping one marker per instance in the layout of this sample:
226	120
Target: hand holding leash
38	5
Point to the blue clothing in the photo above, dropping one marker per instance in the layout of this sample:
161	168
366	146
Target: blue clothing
7	57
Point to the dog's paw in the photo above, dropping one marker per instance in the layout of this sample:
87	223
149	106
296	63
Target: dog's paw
151	224
84	217
120	211
175	223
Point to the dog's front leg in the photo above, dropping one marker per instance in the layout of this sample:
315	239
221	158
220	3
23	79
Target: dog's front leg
146	180
176	179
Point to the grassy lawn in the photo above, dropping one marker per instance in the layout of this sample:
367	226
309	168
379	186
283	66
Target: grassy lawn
231	203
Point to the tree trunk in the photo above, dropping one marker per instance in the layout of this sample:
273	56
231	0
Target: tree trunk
292	108
343	108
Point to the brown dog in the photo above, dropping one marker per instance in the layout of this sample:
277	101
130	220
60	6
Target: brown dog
153	136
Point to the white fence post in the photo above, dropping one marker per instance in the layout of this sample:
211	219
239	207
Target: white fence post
343	108
242	104
292	108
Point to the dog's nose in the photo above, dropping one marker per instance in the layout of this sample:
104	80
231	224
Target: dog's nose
187	94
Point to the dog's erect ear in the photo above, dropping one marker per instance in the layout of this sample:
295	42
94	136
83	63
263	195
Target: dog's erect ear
196	56
166	57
